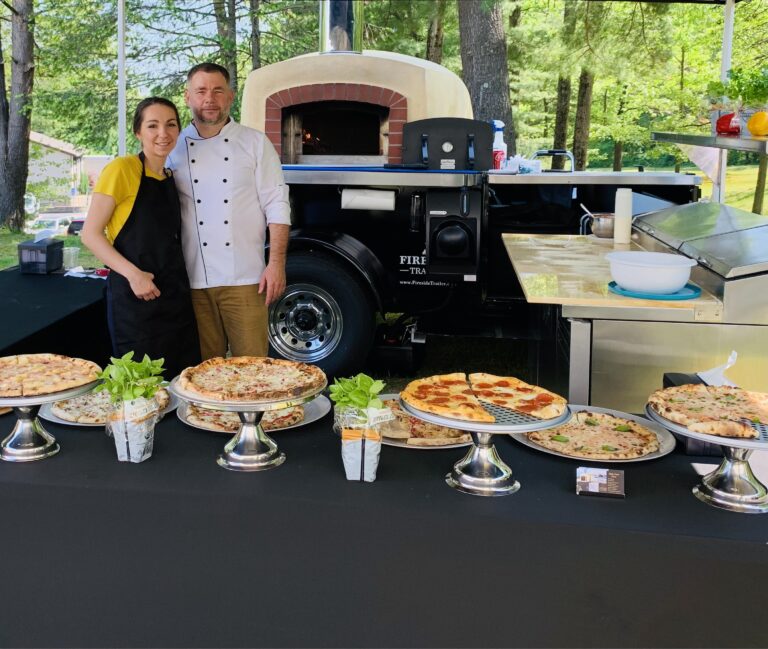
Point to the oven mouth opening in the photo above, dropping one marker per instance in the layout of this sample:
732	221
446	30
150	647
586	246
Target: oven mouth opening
347	131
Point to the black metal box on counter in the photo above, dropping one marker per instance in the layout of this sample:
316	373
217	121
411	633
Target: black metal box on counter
41	257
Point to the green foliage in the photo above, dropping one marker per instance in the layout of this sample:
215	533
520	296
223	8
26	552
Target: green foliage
748	86
357	392
126	379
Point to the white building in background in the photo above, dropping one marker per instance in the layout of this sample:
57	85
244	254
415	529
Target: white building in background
54	161
57	170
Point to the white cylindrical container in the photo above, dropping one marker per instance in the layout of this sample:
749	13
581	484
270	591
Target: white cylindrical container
622	220
499	146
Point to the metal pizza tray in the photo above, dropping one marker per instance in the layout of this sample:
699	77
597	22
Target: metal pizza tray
666	439
758	444
50	397
313	411
47	414
507	421
241	406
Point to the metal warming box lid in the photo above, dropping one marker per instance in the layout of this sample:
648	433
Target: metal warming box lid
729	241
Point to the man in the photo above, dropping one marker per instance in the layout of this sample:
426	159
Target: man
231	188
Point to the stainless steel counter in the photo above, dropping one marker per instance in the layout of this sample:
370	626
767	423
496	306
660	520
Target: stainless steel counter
618	348
756	144
624	178
379	178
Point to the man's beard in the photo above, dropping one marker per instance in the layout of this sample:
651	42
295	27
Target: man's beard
221	119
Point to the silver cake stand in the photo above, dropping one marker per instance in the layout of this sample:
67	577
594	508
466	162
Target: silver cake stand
482	472
733	485
28	440
251	449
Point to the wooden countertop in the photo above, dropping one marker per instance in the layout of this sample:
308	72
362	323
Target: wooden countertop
571	270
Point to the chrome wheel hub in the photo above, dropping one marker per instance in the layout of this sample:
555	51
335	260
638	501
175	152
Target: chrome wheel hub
305	324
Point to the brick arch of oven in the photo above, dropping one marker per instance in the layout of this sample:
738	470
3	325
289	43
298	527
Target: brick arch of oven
386	97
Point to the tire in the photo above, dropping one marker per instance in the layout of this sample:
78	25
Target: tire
324	317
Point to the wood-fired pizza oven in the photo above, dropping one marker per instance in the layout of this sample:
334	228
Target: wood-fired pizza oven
345	106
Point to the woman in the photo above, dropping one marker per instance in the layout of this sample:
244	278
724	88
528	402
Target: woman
134	227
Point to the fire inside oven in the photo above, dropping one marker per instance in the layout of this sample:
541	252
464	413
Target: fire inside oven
333	131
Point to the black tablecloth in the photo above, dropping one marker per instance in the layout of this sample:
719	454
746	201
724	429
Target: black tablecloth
180	552
53	313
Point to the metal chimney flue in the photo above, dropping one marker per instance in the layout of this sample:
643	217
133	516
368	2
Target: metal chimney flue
341	26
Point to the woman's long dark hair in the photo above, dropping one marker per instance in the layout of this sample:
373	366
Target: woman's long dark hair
138	114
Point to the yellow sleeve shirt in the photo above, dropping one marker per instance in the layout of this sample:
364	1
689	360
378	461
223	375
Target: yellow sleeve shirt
120	179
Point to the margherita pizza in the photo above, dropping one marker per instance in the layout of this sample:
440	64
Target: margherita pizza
94	407
598	436
509	392
448	395
229	422
28	375
721	410
415	432
251	378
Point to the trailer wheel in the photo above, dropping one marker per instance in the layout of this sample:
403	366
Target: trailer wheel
324	317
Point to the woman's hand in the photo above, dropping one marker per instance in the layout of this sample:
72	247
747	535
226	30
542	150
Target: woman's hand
142	285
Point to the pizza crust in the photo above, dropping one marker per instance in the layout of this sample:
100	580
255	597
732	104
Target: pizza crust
229	422
416	432
722	411
598	436
510	392
95	407
448	395
251	379
28	375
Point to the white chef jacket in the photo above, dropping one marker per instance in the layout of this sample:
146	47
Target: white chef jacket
231	187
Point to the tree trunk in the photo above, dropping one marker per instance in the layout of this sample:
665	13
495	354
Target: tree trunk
484	63
561	120
255	36
514	54
226	27
581	124
757	203
15	115
618	148
682	80
435	33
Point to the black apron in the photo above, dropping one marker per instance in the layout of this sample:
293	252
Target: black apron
151	239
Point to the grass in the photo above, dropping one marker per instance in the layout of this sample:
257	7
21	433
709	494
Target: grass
9	255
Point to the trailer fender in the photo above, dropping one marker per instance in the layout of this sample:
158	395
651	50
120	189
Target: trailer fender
353	253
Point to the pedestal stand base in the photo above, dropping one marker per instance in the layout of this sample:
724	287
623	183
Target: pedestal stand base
251	449
733	486
28	440
482	472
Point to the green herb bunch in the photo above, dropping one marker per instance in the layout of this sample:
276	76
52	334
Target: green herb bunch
357	392
126	379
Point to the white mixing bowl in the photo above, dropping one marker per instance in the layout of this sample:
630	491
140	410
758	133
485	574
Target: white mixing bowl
650	272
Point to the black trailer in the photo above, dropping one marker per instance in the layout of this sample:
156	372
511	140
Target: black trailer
427	245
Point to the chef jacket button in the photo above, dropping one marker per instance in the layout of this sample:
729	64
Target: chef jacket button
191	160
191	144
225	180
226	201
226	139
226	159
226	222
227	243
204	243
199	201
195	180
201	222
